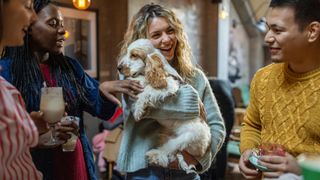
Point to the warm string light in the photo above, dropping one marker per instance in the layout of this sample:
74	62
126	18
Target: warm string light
67	34
81	4
223	13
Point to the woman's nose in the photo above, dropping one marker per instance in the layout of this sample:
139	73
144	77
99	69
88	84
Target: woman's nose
165	38
61	30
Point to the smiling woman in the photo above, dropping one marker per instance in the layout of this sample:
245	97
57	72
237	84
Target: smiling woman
166	33
16	17
18	133
162	37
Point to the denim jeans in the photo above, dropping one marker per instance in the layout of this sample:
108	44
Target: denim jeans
159	173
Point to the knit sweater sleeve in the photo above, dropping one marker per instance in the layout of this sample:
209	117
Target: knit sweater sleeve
214	120
251	126
183	106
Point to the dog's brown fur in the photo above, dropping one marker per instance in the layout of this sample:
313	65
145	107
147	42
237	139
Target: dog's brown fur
155	73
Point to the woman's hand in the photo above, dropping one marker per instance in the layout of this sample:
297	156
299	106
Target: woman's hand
40	123
62	131
64	128
279	165
129	87
246	168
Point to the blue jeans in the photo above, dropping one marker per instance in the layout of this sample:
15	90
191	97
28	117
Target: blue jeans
159	173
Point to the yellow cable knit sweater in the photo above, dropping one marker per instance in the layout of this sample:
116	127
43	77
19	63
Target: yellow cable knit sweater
284	108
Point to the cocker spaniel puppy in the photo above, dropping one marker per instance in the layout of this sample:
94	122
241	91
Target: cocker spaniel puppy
147	65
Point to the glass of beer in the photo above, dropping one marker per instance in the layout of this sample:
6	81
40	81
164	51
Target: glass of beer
52	105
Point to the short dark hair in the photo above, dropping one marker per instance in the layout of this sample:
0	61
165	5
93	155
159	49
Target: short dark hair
305	11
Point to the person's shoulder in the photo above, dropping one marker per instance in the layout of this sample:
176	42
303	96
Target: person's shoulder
74	62
199	74
5	86
5	68
199	80
71	60
5	62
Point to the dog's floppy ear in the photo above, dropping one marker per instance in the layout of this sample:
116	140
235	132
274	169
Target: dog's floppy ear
155	73
168	68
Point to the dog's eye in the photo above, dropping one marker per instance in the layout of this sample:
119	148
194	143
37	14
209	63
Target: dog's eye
134	56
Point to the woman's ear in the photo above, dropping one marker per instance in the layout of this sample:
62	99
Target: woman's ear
314	31
155	73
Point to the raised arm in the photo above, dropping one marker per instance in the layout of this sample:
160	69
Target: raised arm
96	103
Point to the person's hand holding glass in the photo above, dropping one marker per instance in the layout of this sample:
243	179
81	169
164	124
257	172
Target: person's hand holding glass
53	107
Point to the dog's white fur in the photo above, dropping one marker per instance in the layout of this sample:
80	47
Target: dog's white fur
191	135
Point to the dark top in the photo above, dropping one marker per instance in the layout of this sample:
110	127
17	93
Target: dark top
97	106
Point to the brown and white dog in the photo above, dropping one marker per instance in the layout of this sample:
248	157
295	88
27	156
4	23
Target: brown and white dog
146	64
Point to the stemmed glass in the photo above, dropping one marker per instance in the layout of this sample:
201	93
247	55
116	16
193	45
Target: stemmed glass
52	105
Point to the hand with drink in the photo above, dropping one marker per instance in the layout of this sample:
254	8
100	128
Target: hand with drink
40	123
267	158
266	149
71	122
271	149
246	167
63	131
53	107
277	161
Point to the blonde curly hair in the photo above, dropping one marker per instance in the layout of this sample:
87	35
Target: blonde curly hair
138	29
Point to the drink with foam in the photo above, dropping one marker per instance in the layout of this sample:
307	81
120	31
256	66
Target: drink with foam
52	105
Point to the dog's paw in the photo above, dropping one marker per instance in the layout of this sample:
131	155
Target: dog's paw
157	157
138	115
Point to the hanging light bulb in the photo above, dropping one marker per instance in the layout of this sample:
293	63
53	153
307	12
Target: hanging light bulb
223	13
81	4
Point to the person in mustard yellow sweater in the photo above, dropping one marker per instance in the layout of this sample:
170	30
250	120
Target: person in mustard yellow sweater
284	103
